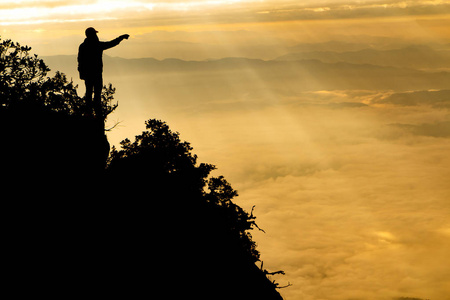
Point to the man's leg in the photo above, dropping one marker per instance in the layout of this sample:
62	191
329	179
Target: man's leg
88	96
98	86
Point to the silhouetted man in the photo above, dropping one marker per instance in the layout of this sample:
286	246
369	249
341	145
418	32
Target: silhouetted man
90	66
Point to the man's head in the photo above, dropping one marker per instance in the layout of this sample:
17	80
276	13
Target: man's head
91	33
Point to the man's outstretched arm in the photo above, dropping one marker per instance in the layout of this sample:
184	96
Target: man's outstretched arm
113	43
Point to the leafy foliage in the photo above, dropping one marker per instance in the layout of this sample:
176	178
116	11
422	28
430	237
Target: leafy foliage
24	80
159	150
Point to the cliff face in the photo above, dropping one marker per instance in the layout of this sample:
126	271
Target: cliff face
41	142
133	230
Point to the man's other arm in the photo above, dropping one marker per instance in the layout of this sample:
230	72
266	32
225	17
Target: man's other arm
113	43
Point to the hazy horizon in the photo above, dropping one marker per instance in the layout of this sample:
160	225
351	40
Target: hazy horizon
336	125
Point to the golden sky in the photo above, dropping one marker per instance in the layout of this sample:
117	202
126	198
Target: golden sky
349	169
54	27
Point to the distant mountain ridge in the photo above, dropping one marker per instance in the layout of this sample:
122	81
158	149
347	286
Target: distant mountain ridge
293	74
422	57
408	57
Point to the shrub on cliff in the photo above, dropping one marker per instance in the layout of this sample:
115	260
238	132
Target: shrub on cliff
24	81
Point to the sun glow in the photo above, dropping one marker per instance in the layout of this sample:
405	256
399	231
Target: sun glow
38	12
70	12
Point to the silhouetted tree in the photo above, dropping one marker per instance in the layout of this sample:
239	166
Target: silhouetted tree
160	151
162	168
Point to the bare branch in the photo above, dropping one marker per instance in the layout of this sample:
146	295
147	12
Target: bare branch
114	126
274	273
282	287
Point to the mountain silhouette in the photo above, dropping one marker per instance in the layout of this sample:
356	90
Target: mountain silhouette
407	57
82	220
277	74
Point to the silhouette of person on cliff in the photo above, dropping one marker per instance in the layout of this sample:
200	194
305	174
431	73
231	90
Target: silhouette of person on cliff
90	66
